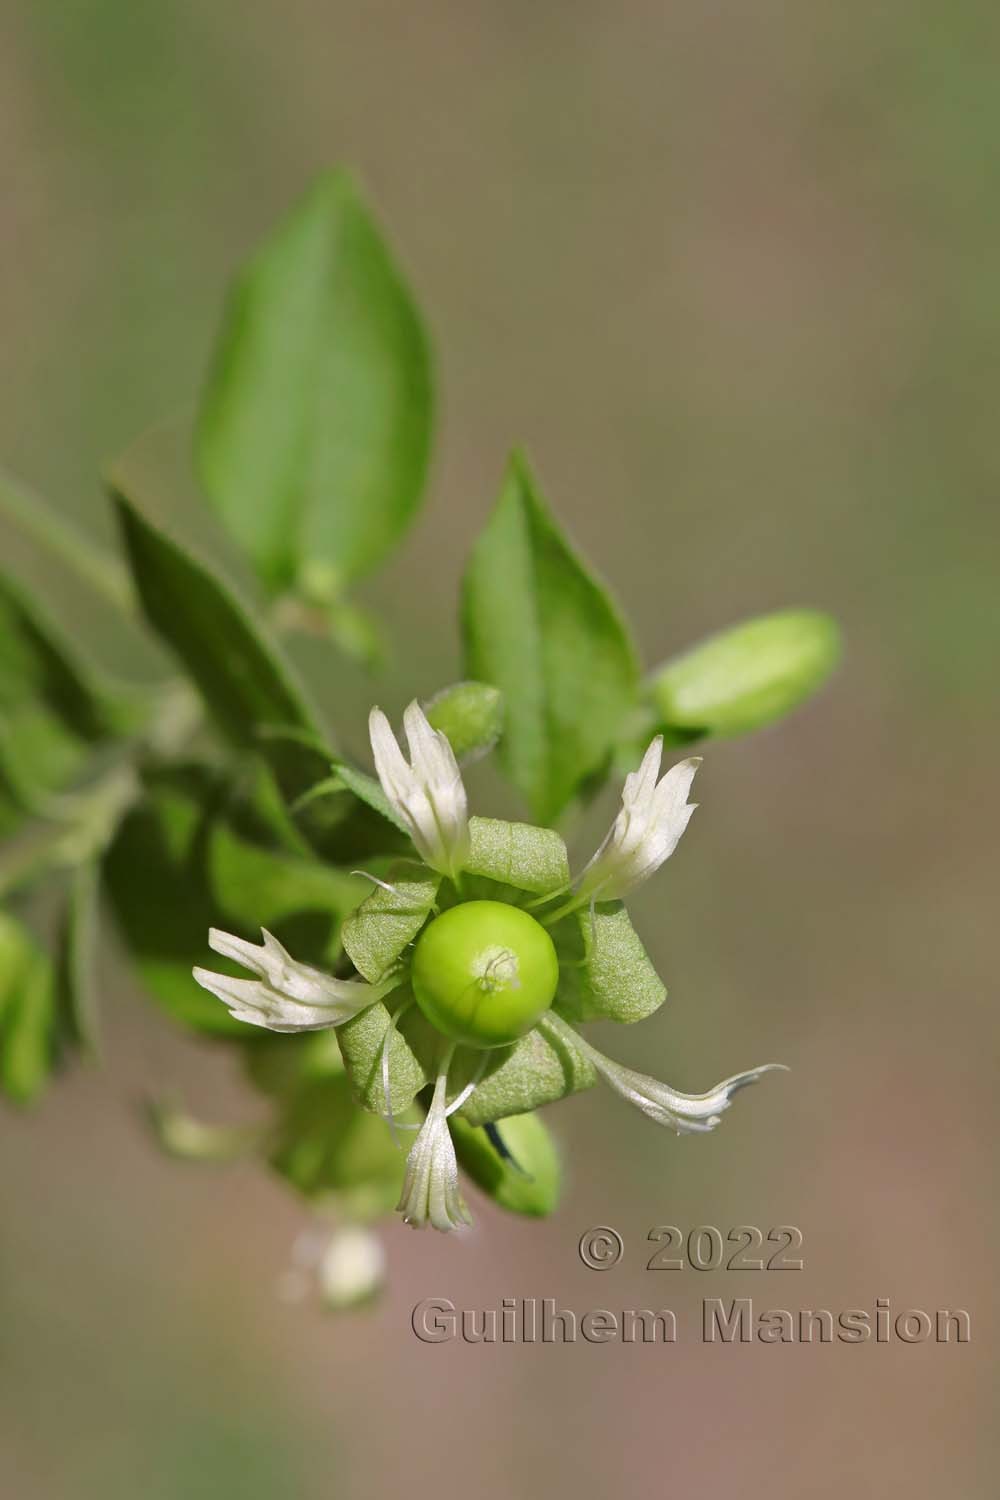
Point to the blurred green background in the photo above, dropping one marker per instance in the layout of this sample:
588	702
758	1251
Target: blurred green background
729	274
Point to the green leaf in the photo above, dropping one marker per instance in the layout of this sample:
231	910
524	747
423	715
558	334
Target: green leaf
367	790
747	676
55	707
51	535
518	855
323	1143
27	1013
539	626
76	977
361	1042
38	661
177	868
314	432
536	1070
246	682
605	972
184	1136
526	1182
256	886
386	923
470	714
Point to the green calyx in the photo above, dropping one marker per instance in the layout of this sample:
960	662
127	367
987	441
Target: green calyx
484	972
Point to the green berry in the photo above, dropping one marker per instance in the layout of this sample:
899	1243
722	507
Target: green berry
484	972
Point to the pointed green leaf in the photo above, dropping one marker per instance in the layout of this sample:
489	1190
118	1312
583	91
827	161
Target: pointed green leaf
245	680
314	431
605	972
539	626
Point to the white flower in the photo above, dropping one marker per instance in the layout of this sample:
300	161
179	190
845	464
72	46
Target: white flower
646	831
430	1187
685	1113
428	794
288	996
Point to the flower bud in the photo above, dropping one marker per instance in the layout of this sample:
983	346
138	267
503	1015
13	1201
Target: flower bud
470	715
748	676
352	1269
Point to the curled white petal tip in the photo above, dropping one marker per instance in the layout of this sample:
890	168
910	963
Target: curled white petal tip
431	1194
427	792
653	816
685	1113
286	995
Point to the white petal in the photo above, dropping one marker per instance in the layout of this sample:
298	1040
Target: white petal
287	996
428	794
685	1113
431	1194
646	830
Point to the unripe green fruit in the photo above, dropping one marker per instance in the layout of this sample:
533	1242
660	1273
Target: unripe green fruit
484	972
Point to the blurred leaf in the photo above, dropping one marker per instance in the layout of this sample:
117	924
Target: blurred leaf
376	934
517	854
27	1013
259	886
747	676
605	972
177	867
540	627
104	574
314	431
470	714
323	1143
54	706
189	1139
76	978
368	791
525	1182
247	684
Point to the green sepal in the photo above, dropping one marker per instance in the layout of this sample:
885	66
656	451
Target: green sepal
517	854
536	1070
526	1183
605	972
361	1046
376	934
